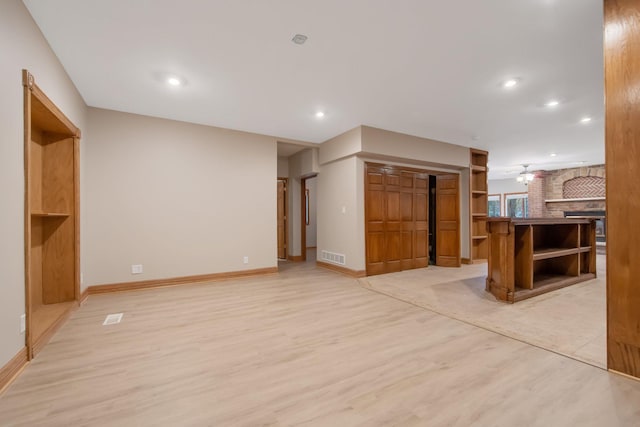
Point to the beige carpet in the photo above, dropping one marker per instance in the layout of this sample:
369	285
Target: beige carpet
570	321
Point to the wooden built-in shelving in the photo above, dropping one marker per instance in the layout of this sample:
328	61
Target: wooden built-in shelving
52	275
528	257
478	205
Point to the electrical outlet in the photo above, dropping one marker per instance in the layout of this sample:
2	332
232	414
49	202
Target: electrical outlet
23	323
246	260
136	269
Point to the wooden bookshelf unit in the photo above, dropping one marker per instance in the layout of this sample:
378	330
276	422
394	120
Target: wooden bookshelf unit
478	205
51	150
529	257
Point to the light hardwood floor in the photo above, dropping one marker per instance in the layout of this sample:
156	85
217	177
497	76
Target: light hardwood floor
303	347
571	321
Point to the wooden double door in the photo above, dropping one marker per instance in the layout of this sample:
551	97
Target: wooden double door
397	219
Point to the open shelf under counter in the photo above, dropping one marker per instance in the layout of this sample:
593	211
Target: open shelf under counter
549	282
531	256
547	253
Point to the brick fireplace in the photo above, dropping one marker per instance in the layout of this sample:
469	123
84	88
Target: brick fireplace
570	192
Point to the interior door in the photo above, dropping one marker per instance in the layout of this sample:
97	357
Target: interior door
282	219
447	220
396	219
374	220
421	221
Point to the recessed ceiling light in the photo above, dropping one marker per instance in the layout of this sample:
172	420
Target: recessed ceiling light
299	39
553	154
585	120
508	84
320	114
552	103
174	81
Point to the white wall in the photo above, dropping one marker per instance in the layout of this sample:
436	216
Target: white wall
22	46
283	167
465	212
500	186
179	198
302	164
340	211
396	145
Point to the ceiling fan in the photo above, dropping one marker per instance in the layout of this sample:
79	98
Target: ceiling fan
525	176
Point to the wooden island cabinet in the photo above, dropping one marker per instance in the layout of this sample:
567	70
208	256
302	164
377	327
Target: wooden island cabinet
528	257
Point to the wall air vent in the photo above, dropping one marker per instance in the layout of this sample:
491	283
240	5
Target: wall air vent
333	257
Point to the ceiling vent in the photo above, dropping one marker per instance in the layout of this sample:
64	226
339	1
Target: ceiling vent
299	39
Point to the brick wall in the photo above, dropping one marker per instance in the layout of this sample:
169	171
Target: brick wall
572	183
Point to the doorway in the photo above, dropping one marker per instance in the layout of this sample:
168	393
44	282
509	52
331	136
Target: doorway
282	218
308	190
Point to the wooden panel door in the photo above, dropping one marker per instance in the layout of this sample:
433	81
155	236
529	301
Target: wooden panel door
396	218
393	220
407	216
447	221
374	220
421	221
282	219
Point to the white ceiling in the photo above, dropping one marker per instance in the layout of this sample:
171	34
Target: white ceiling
430	68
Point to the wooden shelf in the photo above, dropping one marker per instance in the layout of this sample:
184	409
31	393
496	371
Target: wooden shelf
533	256
478	205
49	214
52	226
548	283
547	253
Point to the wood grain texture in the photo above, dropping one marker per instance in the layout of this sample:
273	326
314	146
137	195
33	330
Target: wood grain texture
172	281
12	368
51	215
478	205
304	347
570	321
448	220
530	257
282	217
396	218
44	111
622	151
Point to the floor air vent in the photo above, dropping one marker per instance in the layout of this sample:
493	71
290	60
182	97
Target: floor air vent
112	319
333	257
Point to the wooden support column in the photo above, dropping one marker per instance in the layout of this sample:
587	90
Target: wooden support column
622	93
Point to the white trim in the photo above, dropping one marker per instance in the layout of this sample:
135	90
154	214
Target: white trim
583	199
